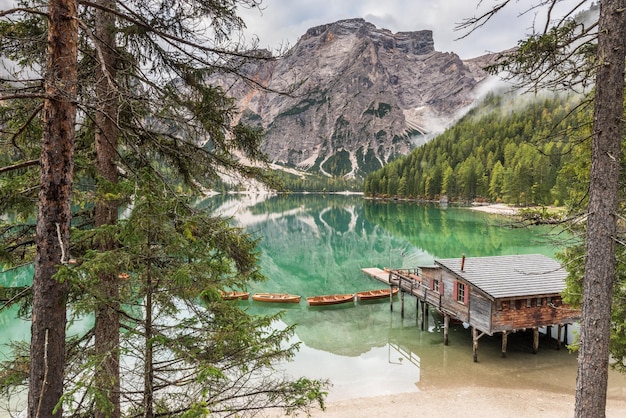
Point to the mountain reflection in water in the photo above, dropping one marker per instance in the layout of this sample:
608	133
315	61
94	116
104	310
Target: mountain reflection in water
317	244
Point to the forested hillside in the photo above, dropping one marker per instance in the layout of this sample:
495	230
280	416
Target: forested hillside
511	149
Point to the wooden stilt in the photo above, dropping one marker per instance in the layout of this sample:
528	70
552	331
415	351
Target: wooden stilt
475	344
390	295
559	331
535	340
426	310
549	333
505	335
401	304
423	313
446	327
417	309
565	335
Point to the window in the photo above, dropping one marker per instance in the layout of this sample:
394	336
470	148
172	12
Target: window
460	292
436	285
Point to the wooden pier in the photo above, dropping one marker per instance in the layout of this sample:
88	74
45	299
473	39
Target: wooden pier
501	294
409	281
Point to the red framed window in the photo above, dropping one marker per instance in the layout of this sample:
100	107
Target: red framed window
461	293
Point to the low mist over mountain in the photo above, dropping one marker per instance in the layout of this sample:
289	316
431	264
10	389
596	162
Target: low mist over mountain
360	96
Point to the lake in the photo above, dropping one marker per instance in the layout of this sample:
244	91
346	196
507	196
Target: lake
318	244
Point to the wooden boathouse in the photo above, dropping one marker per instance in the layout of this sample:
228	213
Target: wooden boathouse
497	294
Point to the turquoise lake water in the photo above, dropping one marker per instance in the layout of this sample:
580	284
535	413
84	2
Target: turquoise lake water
318	244
314	245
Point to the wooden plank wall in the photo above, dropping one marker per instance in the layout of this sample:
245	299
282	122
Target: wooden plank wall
480	311
448	303
516	314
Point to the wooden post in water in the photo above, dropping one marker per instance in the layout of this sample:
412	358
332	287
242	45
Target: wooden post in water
475	344
417	308
426	309
423	313
401	304
390	294
559	331
565	335
505	335
535	340
446	327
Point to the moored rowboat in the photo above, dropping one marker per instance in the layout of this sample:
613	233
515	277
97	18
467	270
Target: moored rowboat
234	295
375	294
276	297
329	299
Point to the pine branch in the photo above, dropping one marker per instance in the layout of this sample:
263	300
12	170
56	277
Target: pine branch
17	166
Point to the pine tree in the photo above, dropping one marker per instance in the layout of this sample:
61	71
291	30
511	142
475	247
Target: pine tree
150	115
575	55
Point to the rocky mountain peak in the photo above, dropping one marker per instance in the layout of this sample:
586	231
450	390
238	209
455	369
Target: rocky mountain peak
418	43
360	96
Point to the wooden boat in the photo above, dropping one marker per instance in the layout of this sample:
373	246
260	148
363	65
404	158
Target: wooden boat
329	299
276	297
375	294
234	295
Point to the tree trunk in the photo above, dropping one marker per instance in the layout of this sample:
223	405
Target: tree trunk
593	357
107	377
148	374
47	349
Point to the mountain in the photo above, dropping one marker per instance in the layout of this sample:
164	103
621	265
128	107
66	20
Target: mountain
359	96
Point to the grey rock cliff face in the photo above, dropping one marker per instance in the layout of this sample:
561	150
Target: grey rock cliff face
360	96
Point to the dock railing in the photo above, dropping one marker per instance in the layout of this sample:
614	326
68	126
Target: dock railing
409	281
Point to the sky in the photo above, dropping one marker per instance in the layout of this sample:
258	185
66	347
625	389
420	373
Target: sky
282	22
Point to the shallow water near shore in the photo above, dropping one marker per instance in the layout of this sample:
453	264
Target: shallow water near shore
317	244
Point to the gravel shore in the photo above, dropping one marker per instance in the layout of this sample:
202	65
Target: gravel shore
497	209
463	402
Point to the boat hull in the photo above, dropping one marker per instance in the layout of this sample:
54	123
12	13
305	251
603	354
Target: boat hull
375	294
329	299
235	295
276	298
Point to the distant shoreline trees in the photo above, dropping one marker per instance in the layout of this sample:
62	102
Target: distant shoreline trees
500	151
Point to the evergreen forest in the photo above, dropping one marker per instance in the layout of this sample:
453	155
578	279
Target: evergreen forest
519	150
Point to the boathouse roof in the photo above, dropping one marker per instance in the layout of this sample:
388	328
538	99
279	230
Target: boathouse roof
509	275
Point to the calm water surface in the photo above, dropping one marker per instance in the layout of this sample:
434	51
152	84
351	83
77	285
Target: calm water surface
312	245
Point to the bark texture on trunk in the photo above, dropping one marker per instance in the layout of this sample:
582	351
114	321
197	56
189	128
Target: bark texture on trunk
148	386
47	349
107	376
593	357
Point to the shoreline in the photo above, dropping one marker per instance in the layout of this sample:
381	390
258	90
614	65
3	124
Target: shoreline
496	209
461	402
